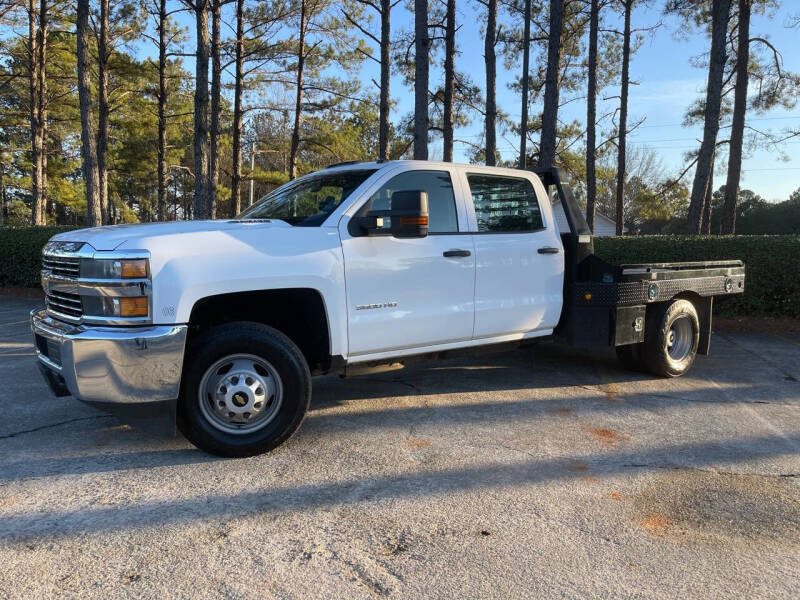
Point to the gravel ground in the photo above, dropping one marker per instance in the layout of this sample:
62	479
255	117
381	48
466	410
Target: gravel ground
536	473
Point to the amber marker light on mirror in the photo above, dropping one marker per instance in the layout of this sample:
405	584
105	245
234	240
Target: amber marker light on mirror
133	307
407	221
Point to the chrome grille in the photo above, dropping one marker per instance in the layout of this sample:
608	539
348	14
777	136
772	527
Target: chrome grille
62	266
64	303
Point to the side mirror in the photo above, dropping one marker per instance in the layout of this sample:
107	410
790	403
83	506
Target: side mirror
409	214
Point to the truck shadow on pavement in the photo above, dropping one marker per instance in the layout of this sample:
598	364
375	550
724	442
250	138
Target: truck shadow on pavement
547	366
542	383
413	485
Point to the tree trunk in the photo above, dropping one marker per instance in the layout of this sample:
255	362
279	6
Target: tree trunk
236	180
547	146
526	53
42	106
216	74
43	190
298	104
2	192
88	148
37	55
162	110
705	223
449	79
623	119
591	115
489	56
421	50
103	110
737	128
719	29
202	205
386	63
33	109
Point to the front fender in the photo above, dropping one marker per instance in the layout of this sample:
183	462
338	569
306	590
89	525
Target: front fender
200	265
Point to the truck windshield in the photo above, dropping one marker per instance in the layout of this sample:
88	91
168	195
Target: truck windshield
307	202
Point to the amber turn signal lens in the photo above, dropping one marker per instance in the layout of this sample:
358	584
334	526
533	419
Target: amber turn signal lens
587	296
134	268
409	221
133	307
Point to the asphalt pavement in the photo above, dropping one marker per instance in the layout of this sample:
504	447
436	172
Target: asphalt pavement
537	473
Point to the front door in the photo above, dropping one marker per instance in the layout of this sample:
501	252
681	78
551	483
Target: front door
409	293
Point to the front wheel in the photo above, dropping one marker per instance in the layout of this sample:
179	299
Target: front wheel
672	334
246	388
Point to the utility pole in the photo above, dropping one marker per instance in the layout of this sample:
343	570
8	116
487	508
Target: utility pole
526	51
252	166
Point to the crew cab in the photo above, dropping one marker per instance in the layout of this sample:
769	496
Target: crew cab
360	264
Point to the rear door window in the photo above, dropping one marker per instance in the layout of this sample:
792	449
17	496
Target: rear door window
504	204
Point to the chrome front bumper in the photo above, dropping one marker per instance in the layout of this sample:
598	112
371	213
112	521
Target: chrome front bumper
124	365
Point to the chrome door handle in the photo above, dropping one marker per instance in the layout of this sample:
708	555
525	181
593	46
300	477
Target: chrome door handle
548	250
456	253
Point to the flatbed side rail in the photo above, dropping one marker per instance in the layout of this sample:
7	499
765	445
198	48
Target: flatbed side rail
642	291
703	264
697	270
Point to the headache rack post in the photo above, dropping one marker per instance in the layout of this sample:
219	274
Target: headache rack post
586	326
579	236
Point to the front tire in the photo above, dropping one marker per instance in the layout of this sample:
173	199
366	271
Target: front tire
672	334
245	390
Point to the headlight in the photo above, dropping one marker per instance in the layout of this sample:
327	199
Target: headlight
117	289
126	268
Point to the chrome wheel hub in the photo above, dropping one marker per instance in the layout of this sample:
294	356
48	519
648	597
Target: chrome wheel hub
680	339
240	393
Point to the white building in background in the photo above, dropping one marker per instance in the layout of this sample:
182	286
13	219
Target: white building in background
603	226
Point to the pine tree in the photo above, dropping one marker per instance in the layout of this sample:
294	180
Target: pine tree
88	140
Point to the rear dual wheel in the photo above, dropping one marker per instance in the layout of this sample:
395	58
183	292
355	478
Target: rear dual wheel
671	338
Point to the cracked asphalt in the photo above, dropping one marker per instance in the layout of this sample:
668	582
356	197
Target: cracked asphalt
542	472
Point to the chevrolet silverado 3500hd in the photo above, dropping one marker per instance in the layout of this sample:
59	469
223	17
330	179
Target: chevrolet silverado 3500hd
355	265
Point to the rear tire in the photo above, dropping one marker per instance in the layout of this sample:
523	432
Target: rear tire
245	390
671	337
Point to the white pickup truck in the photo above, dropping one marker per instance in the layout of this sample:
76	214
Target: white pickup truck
356	265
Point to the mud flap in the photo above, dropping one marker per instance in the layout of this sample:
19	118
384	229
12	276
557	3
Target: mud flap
704	308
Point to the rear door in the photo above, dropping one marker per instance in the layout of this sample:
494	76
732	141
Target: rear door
518	252
410	293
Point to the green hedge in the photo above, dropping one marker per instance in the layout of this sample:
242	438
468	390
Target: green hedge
21	252
772	287
773	263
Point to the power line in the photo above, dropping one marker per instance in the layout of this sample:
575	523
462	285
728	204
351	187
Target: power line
773	169
727	125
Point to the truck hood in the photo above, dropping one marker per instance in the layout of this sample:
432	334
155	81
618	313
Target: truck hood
111	237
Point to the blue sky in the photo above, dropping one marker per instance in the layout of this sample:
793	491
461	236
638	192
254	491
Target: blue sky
667	84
